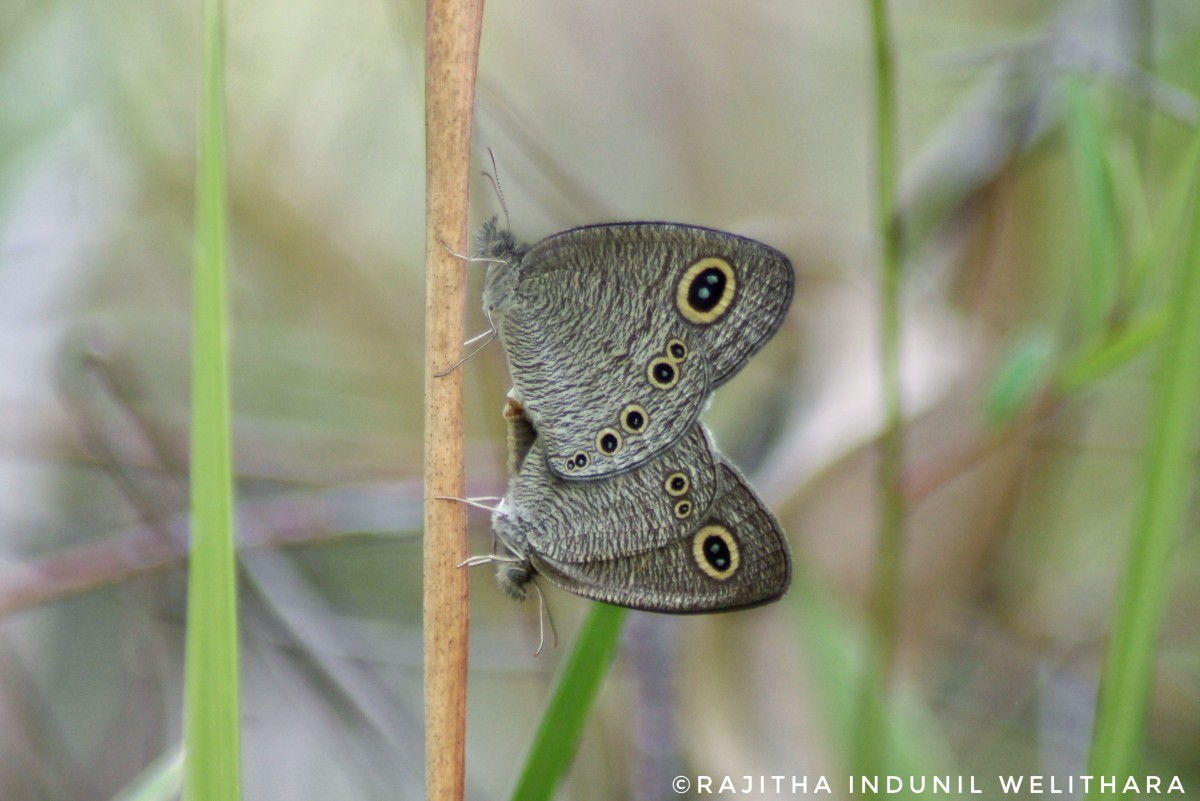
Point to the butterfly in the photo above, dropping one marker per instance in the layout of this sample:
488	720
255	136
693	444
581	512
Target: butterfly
617	334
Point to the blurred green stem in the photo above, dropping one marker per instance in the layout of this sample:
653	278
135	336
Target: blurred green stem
1138	608
869	738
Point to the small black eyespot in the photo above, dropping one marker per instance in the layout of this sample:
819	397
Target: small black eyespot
662	372
677	350
608	443
683	509
578	461
634	419
677	483
571	464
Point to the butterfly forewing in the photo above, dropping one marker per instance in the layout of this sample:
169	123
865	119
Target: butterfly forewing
617	334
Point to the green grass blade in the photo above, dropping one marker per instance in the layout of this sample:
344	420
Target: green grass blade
1134	338
1137	615
1102	228
1134	203
570	704
1099	361
211	736
869	751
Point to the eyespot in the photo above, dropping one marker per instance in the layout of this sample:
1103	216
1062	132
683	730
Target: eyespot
578	461
677	484
677	350
662	373
715	550
634	419
608	441
706	290
683	508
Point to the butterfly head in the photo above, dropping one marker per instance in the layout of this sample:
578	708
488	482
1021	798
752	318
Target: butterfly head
494	242
496	245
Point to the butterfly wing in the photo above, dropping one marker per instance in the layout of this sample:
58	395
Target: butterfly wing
731	292
734	556
616	334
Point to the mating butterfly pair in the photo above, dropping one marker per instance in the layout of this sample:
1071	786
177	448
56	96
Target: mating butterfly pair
616	335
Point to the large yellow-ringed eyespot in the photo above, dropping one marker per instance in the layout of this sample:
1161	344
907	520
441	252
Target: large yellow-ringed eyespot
677	484
608	441
705	291
634	419
715	550
677	350
662	372
683	508
578	461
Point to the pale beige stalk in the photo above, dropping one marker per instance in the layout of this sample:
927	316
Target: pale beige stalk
451	57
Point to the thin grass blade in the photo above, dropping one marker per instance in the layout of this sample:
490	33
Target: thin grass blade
1102	227
211	733
1166	477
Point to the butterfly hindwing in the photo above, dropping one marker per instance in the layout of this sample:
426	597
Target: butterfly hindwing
681	533
735	556
635	511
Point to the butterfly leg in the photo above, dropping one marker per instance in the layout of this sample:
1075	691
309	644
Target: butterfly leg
476	502
471	259
491	334
544	618
512	572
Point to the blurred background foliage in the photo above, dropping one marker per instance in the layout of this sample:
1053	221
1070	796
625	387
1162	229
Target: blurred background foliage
754	118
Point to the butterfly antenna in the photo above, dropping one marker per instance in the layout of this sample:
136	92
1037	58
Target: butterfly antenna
491	334
494	177
543	618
